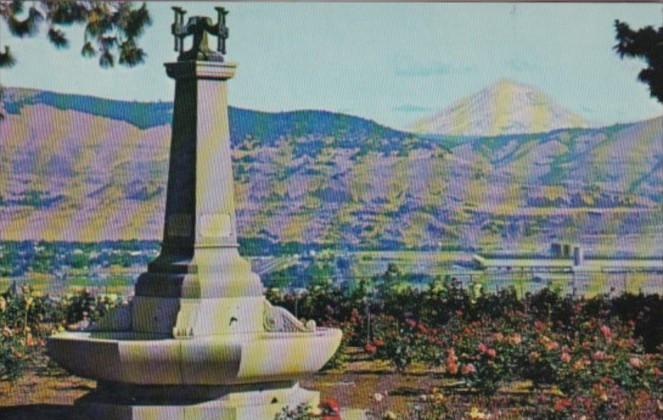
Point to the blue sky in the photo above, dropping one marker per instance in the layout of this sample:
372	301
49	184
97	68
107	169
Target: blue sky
392	63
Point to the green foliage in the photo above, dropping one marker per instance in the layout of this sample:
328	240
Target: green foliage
66	258
280	278
301	412
584	357
647	44
399	342
588	354
26	319
21	329
319	272
392	277
111	29
83	305
434	407
6	60
327	409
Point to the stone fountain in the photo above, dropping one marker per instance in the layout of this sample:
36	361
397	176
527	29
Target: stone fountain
198	340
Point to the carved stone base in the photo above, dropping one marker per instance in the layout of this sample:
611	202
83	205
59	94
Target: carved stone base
251	402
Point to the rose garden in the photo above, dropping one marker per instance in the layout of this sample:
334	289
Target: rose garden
497	355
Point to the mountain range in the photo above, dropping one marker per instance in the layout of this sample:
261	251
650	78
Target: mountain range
83	168
506	107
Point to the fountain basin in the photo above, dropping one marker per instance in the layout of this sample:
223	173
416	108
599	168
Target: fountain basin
155	359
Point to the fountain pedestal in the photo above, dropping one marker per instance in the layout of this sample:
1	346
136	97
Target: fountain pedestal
199	275
198	340
240	402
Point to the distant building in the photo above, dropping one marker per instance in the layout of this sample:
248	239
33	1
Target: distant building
564	257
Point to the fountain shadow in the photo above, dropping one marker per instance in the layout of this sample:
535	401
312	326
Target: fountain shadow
38	412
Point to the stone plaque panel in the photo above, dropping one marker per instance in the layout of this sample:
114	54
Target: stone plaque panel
215	225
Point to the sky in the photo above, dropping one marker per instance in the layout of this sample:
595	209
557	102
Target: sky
392	63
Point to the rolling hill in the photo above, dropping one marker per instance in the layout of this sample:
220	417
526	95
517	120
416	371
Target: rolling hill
83	168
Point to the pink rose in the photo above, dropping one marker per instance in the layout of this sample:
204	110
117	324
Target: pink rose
565	357
7	332
578	365
468	369
552	345
606	332
635	362
491	353
482	348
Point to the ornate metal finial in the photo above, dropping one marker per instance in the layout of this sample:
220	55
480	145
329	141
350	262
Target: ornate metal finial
199	27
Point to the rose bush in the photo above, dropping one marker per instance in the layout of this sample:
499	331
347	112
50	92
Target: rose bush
21	330
27	318
593	360
404	342
598	357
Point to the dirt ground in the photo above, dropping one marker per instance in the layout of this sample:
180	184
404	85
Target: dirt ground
48	393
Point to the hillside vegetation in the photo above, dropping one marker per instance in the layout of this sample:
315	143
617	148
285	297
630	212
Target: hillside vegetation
84	168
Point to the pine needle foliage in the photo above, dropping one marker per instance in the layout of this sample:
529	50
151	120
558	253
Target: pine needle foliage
646	44
112	29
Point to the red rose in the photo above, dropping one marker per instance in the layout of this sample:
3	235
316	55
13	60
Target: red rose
452	368
330	406
422	329
562	404
452	354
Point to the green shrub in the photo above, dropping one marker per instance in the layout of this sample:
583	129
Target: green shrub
21	330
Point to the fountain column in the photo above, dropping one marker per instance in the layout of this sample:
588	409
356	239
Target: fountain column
199	271
198	340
